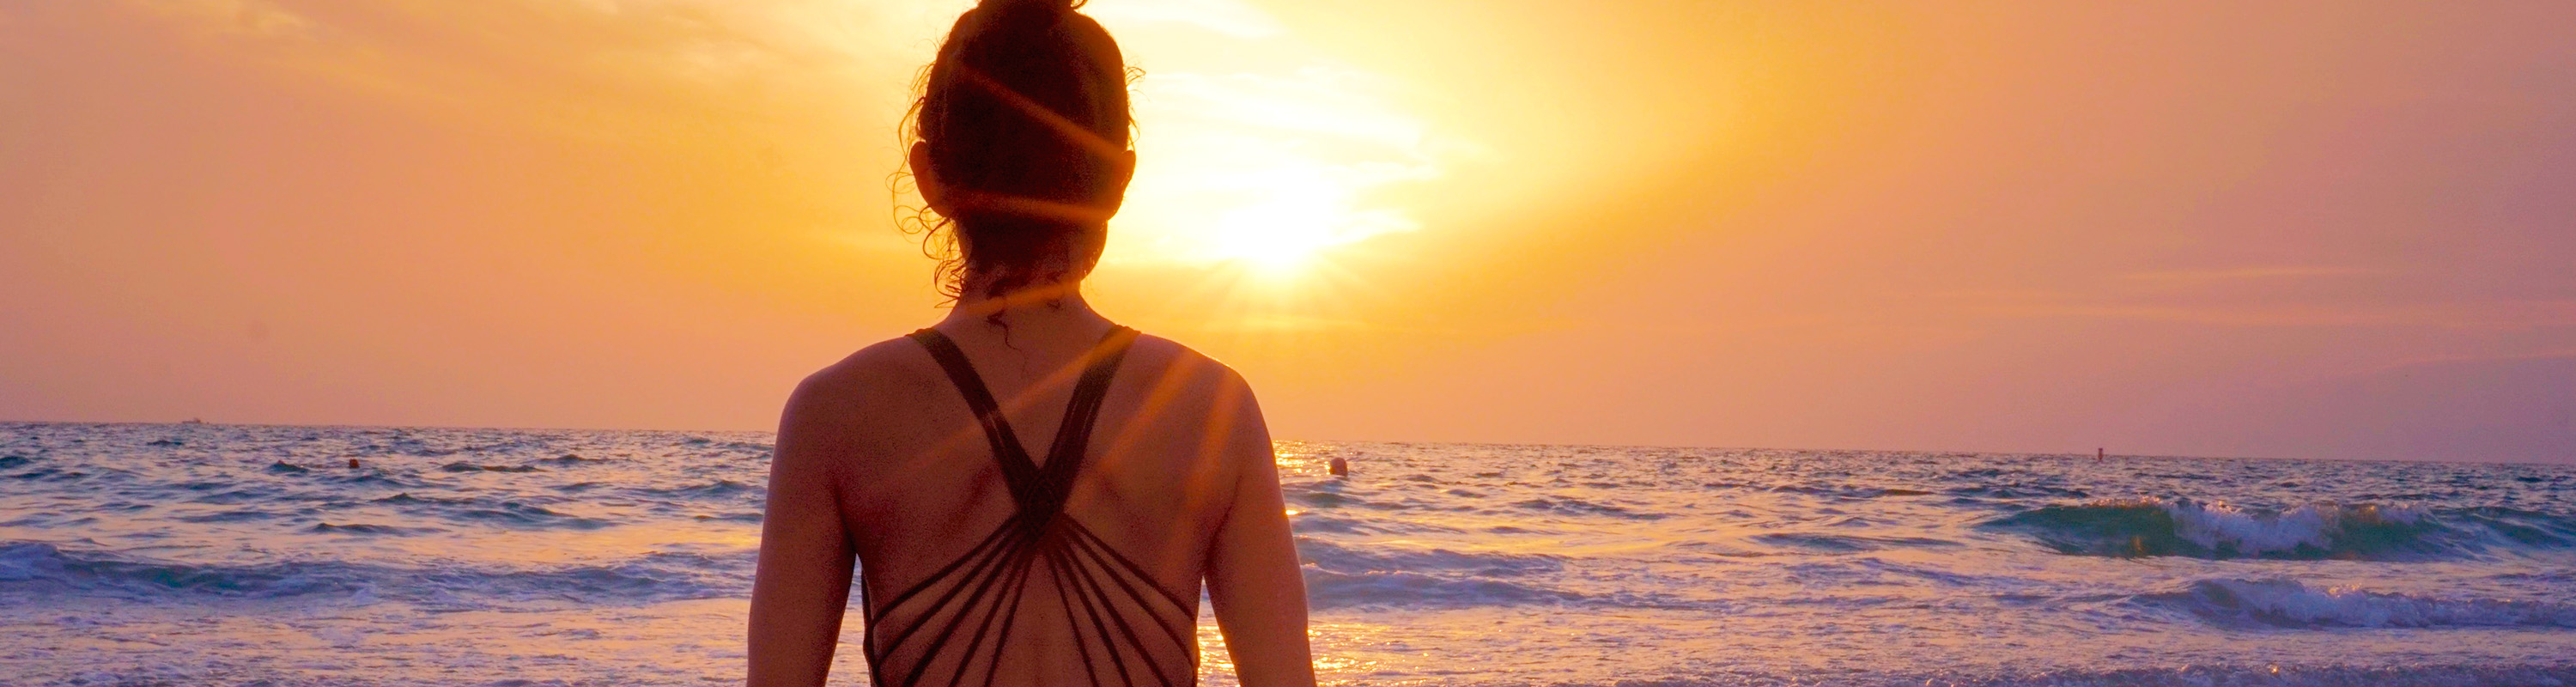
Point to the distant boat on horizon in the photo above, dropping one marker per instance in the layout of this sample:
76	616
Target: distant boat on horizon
192	421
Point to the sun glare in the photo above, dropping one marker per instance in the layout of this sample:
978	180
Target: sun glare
1283	219
1253	149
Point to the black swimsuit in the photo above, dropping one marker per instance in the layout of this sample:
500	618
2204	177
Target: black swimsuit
950	628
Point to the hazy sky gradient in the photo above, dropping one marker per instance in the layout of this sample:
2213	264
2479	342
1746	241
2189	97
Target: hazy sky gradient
2278	229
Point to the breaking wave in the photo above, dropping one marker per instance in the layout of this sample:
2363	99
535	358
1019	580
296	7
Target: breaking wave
2182	527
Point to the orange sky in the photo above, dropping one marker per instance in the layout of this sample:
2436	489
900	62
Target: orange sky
2334	229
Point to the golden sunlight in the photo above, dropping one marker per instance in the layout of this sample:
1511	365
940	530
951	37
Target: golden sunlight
1253	148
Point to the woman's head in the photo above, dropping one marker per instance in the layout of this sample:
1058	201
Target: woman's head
1020	145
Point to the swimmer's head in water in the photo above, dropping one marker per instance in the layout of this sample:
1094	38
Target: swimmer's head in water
1019	145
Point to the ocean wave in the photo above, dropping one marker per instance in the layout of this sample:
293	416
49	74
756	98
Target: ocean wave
1831	543
1567	505
50	474
471	467
2527	527
474	510
231	496
1326	589
1829	490
718	488
2287	603
1316	498
42	567
1845	491
1364	559
2182	527
374	478
48	572
406	499
2017	490
1340	575
1318	523
519	514
237	515
369	529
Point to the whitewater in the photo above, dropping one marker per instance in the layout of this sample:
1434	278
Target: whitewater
260	555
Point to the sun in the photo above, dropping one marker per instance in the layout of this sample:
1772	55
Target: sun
1295	215
1273	254
1265	154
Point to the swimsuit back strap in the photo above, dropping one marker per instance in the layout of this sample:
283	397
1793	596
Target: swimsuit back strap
1037	489
1016	467
1073	435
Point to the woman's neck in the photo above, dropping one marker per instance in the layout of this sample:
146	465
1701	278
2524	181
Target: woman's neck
1050	307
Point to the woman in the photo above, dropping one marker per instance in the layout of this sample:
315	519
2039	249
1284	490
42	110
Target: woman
1034	493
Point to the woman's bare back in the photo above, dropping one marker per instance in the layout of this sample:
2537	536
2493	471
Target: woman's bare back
1005	559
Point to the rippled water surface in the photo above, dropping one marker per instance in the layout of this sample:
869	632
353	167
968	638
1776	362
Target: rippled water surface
219	555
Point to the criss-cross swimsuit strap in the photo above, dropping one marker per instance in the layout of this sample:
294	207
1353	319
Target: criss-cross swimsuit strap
977	596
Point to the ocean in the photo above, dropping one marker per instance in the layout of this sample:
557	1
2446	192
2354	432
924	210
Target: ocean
257	555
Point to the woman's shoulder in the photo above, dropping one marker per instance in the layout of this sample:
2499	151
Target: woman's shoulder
1191	391
1171	364
1194	402
891	372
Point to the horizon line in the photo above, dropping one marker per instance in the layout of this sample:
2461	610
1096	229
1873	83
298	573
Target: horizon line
2105	456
